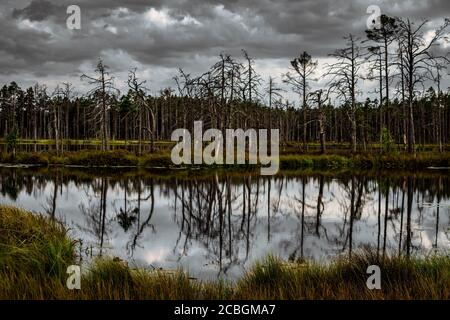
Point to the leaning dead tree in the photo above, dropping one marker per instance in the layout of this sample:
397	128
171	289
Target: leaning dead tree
416	62
273	92
221	85
103	87
138	92
304	67
60	104
251	80
344	79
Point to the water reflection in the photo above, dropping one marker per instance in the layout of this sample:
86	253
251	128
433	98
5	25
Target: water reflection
218	225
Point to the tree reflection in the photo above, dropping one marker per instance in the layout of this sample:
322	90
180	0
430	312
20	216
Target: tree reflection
96	223
232	218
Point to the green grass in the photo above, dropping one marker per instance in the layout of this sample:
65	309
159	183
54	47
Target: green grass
32	248
35	252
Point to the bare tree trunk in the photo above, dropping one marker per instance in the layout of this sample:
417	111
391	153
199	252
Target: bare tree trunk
353	87
305	126
56	128
35	130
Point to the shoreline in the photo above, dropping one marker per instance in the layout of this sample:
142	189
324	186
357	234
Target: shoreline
127	159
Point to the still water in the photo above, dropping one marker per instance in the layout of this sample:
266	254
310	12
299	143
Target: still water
218	225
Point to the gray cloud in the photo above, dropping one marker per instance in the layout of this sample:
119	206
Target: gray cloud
37	10
161	36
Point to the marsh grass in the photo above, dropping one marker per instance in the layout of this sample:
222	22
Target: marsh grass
401	278
35	252
366	161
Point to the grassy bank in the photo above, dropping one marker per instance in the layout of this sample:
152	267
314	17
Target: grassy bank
92	158
367	161
35	252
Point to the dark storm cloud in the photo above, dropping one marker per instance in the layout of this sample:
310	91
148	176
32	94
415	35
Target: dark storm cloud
164	35
37	10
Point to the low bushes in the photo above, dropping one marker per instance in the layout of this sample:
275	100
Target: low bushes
101	158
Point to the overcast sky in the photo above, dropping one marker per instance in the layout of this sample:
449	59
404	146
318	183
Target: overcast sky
159	37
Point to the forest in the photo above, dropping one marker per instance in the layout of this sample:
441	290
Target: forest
408	108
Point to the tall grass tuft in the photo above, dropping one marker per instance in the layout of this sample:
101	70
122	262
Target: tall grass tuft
34	253
33	244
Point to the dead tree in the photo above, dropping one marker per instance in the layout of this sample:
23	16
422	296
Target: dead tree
222	85
274	92
436	77
304	67
376	72
138	91
320	97
344	78
56	102
67	96
416	62
103	86
252	80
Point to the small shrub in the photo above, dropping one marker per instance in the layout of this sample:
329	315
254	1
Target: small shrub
32	158
386	140
12	140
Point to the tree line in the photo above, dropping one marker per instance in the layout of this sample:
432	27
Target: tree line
407	107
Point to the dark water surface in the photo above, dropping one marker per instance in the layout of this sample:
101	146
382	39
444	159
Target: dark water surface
218	225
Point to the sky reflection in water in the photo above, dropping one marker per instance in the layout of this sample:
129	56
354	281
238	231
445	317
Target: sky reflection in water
218	225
